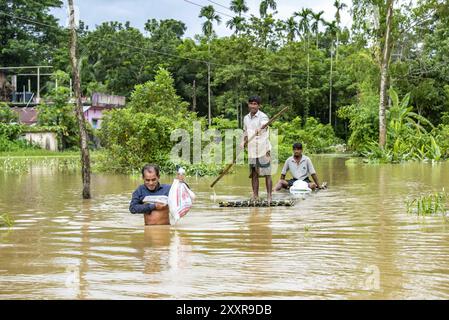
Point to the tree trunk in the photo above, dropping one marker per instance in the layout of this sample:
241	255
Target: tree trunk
330	86
208	89
386	53
307	109
85	158
338	43
194	97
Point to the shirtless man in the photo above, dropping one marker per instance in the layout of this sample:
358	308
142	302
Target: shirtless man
154	213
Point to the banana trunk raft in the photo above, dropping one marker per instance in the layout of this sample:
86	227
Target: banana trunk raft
258	203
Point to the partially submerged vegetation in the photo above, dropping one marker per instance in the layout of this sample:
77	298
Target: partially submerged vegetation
6	220
430	204
410	136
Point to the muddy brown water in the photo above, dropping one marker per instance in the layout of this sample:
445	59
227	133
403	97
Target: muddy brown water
352	241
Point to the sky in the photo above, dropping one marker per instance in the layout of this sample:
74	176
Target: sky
94	12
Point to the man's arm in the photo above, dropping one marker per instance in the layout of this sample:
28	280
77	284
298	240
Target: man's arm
245	135
313	173
315	178
284	170
136	207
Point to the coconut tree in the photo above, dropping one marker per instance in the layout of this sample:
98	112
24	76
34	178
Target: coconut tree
208	12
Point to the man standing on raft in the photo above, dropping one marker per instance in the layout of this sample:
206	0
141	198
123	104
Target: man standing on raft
259	148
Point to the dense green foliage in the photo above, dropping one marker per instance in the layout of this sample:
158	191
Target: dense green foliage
140	133
410	136
58	112
286	62
315	137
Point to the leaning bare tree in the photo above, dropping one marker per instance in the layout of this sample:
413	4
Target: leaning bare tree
85	158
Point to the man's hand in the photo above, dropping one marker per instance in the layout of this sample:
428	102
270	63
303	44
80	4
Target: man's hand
180	177
159	206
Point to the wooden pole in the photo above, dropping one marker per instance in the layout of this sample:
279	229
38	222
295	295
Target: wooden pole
85	158
229	166
38	97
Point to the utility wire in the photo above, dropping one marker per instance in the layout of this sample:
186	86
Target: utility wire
201	6
162	53
220	5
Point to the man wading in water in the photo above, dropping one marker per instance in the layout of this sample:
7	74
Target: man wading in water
259	148
154	213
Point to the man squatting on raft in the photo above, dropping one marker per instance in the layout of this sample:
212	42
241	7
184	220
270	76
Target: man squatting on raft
300	166
259	148
153	213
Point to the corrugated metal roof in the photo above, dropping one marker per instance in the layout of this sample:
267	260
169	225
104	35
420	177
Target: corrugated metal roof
26	115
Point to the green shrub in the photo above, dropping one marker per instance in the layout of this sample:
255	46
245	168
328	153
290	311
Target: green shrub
315	137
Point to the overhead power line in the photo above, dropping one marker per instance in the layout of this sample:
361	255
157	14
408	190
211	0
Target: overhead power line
146	50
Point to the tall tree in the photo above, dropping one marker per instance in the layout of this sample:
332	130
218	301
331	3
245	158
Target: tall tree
211	16
384	71
332	30
85	158
304	30
265	5
339	6
291	28
238	22
317	19
208	12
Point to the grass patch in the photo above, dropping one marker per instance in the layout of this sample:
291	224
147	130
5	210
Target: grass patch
37	153
21	163
431	204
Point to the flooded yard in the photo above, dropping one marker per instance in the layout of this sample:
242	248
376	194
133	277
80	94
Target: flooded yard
354	240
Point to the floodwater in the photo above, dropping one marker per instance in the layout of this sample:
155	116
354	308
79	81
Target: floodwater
354	240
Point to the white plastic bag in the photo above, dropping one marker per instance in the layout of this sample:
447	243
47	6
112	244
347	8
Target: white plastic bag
180	199
300	187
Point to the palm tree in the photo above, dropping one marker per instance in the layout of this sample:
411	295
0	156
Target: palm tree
238	22
316	22
265	5
238	6
291	27
339	6
333	30
304	28
208	12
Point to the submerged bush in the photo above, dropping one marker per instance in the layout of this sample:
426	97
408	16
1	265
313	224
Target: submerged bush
434	203
410	136
6	220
